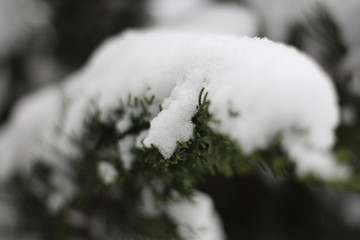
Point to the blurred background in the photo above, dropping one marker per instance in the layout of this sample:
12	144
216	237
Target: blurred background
43	41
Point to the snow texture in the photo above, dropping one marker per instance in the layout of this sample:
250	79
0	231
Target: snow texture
29	130
276	91
199	215
203	16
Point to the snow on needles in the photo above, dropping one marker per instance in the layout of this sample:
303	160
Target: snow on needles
276	91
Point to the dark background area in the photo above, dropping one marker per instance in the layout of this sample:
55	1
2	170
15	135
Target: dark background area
252	207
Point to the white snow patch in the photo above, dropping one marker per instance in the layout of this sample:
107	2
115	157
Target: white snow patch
197	218
175	119
125	146
29	131
124	124
107	172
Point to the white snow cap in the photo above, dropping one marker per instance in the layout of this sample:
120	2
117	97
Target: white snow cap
275	90
199	214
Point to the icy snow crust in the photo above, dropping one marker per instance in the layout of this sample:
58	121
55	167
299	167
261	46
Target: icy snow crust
275	90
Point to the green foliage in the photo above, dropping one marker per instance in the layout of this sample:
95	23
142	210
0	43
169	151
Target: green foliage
117	209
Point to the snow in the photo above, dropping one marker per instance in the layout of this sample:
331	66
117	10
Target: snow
125	146
124	124
276	90
29	130
199	214
107	172
196	219
175	119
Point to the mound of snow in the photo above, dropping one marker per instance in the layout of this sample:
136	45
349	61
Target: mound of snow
275	90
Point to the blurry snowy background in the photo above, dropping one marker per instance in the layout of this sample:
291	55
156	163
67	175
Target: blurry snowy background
43	41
